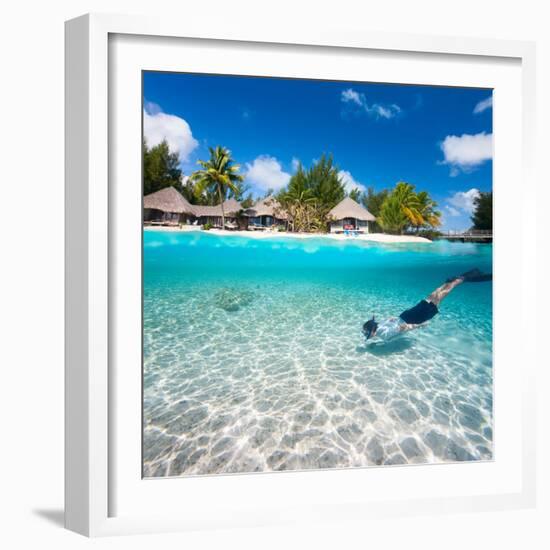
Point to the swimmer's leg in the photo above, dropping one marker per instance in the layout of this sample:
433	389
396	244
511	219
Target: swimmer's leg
441	292
472	276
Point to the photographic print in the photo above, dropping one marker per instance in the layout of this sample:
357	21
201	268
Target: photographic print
317	274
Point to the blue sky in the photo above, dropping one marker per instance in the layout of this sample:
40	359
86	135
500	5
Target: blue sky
437	138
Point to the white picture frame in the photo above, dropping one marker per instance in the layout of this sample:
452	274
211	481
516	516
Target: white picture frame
91	396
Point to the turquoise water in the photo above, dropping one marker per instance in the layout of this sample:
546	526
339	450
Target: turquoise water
254	358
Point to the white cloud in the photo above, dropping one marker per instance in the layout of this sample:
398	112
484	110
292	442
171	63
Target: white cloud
376	110
385	111
349	182
266	172
295	164
467	151
483	105
454	171
352	96
458	209
151	107
462	201
175	130
452	211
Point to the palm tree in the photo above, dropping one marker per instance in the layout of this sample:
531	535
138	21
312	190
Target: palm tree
298	203
392	218
404	207
218	174
404	194
427	208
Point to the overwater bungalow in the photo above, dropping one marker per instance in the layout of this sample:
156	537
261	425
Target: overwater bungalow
266	213
349	215
167	207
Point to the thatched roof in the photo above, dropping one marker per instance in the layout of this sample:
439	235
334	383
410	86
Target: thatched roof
348	208
230	207
202	210
267	207
168	199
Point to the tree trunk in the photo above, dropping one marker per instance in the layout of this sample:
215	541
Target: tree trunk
221	205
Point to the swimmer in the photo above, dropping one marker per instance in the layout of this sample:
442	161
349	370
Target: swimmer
419	315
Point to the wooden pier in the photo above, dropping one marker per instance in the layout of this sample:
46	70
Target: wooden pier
470	236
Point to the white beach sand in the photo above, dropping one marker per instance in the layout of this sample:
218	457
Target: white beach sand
372	237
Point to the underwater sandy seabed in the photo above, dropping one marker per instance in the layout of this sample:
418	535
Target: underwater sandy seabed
254	359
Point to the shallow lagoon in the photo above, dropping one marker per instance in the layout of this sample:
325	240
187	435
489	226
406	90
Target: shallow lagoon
254	358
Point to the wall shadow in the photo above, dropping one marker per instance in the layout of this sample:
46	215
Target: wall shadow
54	516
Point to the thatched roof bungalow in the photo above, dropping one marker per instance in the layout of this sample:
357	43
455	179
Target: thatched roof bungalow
213	214
349	215
167	206
267	212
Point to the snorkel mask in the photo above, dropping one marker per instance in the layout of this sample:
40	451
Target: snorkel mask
369	328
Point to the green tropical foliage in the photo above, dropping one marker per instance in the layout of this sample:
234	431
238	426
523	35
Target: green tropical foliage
373	201
356	195
298	200
248	201
218	175
482	217
404	208
209	196
325	183
188	191
309	196
241	193
392	218
410	204
160	168
428	211
311	193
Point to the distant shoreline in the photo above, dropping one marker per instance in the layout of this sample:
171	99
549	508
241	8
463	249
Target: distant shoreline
368	237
